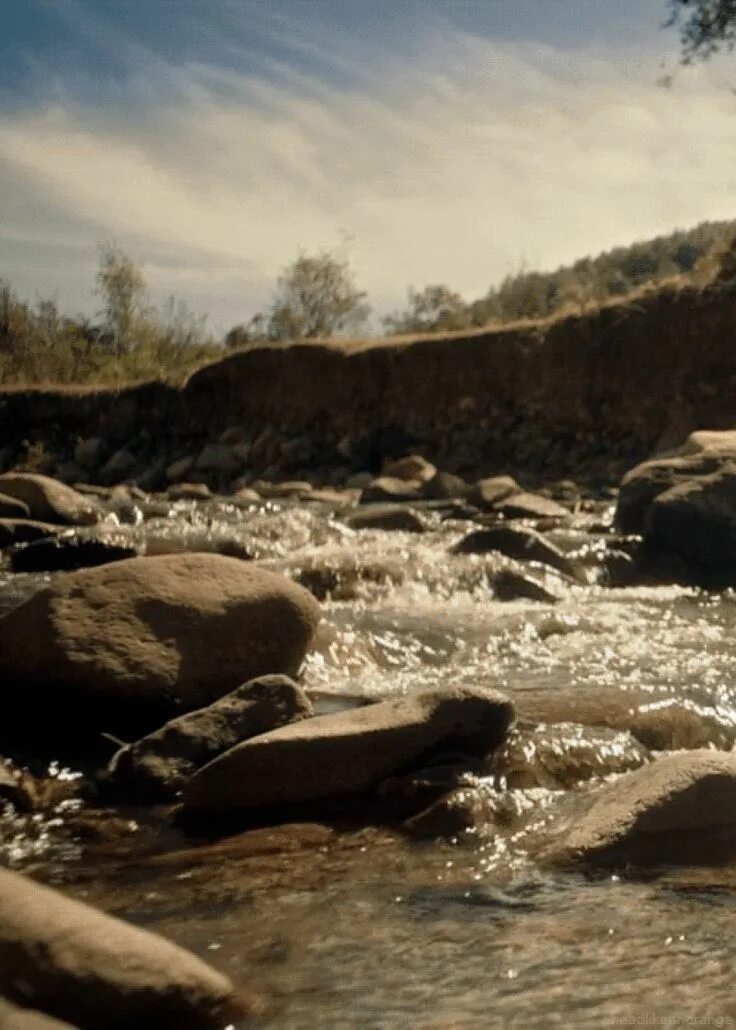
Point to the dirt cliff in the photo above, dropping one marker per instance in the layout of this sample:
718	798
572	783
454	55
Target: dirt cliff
578	395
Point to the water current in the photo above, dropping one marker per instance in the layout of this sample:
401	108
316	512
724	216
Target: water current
370	929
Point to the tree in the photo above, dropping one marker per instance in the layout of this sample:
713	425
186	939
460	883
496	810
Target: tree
433	309
705	26
316	297
122	287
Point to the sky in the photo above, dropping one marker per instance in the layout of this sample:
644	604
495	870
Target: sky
432	141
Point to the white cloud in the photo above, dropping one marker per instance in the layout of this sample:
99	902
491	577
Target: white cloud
455	169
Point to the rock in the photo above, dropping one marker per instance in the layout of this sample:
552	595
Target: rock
444	486
619	569
79	964
189	492
680	809
515	542
387	516
452	814
690	531
486	493
234	435
334	498
389	489
88	453
295	488
530	506
12	508
23	531
244	496
17	788
153	636
703	453
359	481
121	465
413	468
514	584
178	469
156	767
77	550
14	1018
348	752
48	500
218	457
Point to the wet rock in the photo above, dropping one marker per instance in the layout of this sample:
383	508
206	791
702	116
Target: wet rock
234	435
22	531
219	458
81	965
153	636
530	506
48	500
510	584
12	508
444	486
619	569
486	493
244	496
156	767
349	752
387	516
561	755
333	498
452	814
413	468
289	489
339	575
675	723
189	492
516	542
387	488
359	480
14	1018
679	809
66	552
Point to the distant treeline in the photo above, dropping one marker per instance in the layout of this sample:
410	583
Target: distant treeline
316	297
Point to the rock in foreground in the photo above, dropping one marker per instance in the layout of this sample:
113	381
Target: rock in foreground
349	752
156	767
152	636
678	810
14	1018
78	964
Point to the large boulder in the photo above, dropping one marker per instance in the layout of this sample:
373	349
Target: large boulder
684	506
702	453
349	752
157	766
48	500
679	809
153	636
78	964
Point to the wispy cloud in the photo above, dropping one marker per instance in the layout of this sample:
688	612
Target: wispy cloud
455	166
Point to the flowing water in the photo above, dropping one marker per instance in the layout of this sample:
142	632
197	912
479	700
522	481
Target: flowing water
370	929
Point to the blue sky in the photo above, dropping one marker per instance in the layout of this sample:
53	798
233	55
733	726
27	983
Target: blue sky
438	141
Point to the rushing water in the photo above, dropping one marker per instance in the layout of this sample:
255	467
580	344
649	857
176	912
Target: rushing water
369	929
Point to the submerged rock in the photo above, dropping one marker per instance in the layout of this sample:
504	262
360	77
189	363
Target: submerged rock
517	542
153	636
48	500
17	787
680	809
510	584
387	516
349	752
76	963
156	767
